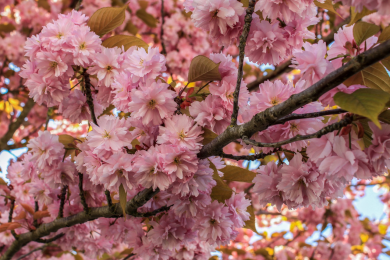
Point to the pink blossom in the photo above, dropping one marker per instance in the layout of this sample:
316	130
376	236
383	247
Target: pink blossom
217	16
215	226
180	130
117	171
344	43
76	109
226	65
149	170
121	87
152	102
238	208
311	62
46	150
266	182
84	45
105	65
191	206
146	65
266	43
379	151
301	183
210	113
284	9
111	134
54	35
53	64
46	91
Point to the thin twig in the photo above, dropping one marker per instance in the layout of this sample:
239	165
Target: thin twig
251	157
128	257
203	87
36	208
164	51
32	251
49	240
241	47
62	202
11	212
88	94
309	115
330	128
82	195
153	213
108	197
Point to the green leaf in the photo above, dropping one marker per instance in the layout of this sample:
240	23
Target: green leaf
131	28
362	31
328	5
147	18
365	102
208	136
375	77
385	117
234	173
385	35
126	41
357	16
107	19
44	4
202	68
6	27
251	223
221	191
2	181
123	199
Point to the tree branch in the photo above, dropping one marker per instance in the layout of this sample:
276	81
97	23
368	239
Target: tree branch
252	157
13	126
62	203
47	228
32	251
152	213
82	195
330	128
88	94
164	51
49	240
309	115
241	47
263	120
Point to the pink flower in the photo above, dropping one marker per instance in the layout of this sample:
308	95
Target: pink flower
266	182
54	35
226	64
311	62
75	107
286	10
191	206
320	148
238	206
301	183
32	46
47	151
344	163
344	43
146	65
180	130
117	170
215	226
271	94
266	43
76	17
379	151
105	65
217	16
210	113
84	45
225	90
121	87
178	162
53	64
111	134
152	102
46	91
149	170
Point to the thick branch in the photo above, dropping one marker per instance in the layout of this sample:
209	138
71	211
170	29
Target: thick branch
13	126
241	47
268	117
330	128
94	213
285	67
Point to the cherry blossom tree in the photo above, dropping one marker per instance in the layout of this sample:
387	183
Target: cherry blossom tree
178	129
